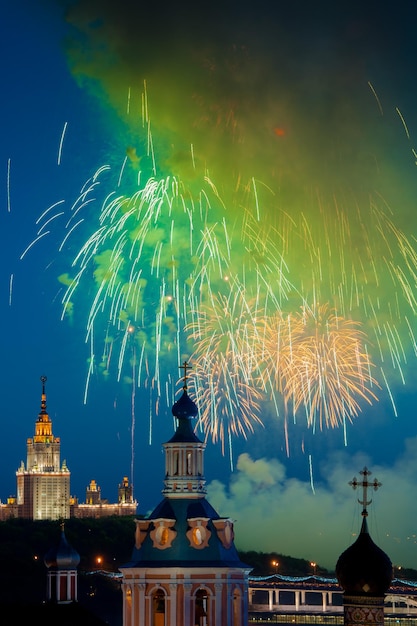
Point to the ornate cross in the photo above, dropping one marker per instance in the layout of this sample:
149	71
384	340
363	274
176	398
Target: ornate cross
365	484
184	367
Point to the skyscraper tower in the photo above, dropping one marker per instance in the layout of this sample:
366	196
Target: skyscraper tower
43	487
185	569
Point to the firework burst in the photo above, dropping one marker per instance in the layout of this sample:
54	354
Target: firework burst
224	366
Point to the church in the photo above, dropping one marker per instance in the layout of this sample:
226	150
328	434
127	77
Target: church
185	568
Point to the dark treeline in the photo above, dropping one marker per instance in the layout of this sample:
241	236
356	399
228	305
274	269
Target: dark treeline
103	544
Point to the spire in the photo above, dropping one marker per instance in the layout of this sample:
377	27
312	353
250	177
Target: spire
43	398
43	426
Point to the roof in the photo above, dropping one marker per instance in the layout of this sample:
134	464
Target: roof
364	569
181	553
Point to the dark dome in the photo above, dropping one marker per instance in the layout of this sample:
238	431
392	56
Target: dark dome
184	407
364	569
183	410
63	556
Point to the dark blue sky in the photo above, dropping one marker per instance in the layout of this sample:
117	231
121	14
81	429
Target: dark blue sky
336	85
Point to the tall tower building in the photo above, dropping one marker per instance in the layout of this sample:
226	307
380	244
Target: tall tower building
185	569
43	486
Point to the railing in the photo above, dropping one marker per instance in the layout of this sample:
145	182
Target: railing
315	595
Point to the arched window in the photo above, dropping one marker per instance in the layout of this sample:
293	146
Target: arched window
201	611
158	608
175	463
189	463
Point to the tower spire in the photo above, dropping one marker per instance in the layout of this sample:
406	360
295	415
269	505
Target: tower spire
43	399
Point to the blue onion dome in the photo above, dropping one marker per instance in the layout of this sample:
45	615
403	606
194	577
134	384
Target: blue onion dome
62	556
364	569
184	409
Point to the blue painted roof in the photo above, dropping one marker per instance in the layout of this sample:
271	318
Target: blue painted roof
181	553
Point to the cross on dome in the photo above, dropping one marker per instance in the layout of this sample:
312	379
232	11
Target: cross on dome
365	484
184	367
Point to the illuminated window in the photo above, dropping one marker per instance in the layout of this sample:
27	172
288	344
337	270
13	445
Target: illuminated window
198	534
163	534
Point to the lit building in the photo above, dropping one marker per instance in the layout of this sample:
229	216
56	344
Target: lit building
96	507
93	494
43	486
185	569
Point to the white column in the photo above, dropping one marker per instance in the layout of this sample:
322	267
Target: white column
217	608
297	600
49	586
139	603
69	592
245	608
127	609
270	599
187	603
324	600
172	603
148	612
250	595
58	587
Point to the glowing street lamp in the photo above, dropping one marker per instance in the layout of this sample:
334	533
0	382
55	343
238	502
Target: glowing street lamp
275	564
314	566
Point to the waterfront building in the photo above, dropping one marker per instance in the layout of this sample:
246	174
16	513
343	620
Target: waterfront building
185	569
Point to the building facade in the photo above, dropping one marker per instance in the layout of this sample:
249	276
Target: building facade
43	486
95	506
185	569
43	483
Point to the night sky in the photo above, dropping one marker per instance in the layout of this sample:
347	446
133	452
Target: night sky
234	186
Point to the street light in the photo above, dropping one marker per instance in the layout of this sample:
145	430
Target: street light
313	565
275	564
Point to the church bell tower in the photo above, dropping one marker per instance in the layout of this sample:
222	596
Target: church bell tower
185	569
